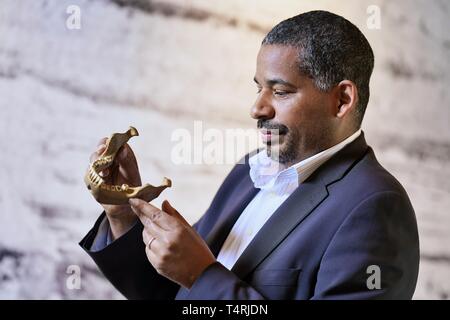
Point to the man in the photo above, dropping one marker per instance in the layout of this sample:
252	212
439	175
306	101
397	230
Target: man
331	223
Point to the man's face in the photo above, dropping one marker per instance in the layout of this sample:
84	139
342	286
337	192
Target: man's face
299	115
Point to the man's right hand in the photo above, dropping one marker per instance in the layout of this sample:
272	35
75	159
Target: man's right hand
124	170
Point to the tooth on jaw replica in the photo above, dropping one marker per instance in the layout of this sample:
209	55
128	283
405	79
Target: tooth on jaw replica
118	194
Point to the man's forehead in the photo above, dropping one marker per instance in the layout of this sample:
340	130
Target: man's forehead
278	55
277	62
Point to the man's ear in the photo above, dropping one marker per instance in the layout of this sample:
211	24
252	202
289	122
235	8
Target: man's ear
347	93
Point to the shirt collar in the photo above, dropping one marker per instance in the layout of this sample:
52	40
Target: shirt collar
268	174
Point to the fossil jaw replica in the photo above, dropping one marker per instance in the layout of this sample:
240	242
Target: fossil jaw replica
118	194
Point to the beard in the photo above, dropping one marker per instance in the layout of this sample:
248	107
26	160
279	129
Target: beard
282	147
284	152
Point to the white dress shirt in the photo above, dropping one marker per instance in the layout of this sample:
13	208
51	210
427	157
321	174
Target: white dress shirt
276	187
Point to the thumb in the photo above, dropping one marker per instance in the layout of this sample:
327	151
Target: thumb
167	207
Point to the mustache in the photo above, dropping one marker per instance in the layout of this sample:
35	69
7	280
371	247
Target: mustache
268	125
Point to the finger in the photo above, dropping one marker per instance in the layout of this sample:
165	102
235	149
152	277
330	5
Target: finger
146	238
154	250
100	149
94	156
126	153
128	167
130	173
146	210
148	235
152	257
152	229
167	207
155	245
142	211
102	141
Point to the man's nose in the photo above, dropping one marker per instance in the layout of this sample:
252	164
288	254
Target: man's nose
262	108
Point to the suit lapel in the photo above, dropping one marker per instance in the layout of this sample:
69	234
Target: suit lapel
241	197
298	206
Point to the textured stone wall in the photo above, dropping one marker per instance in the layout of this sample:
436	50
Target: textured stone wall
163	65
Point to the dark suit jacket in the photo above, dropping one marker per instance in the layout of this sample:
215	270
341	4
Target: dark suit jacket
350	214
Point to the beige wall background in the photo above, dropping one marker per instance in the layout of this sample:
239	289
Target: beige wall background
161	66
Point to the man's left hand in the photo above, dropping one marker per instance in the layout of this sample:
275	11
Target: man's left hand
173	247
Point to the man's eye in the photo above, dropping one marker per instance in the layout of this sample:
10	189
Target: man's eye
280	93
258	90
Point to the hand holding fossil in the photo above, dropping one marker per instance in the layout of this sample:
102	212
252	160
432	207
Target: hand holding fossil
113	178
